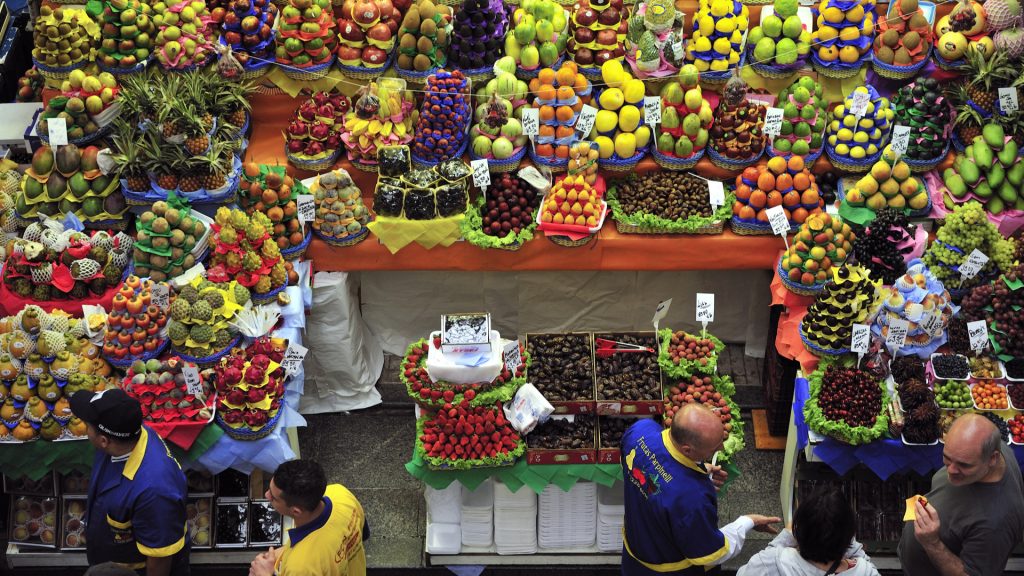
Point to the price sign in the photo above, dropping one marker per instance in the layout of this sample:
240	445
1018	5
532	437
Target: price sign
705	307
306	208
481	174
652	109
585	123
531	121
900	140
293	357
773	121
860	339
677	49
1008	100
160	295
976	260
192	382
513	359
932	325
860	103
897	334
58	131
105	162
660	312
978	333
777	218
716	194
534	178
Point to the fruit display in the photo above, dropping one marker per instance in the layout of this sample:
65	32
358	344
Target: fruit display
563	368
855	142
780	182
572	202
821	243
597	30
461	436
803	121
35	521
170	239
497	134
780	43
903	39
241	248
429	392
904	369
919	298
63	38
200	317
583	157
718	29
923	107
127	32
68	181
306	34
685	119
654	39
248	28
86	104
74	530
537	35
63	264
558	434
997	303
850	297
443	124
682	354
921	422
274	193
960	30
846	403
842	36
889	183
988	395
886	244
197	512
504	215
737	138
715	392
988	171
314	132
159	386
424	194
967	229
627	376
366	33
423	37
619	131
340	212
30	86
185	36
135	326
1016	424
560	95
666	202
250	387
478	34
953	394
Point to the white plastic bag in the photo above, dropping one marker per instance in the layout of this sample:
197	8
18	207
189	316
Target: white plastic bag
527	409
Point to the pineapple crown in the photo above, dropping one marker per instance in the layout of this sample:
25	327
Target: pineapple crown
988	73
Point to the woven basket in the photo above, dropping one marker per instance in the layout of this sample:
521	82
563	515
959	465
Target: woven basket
809	158
569	243
256	71
365	166
44	136
268	297
798	289
119	71
129	360
505	165
948	65
592	73
213	359
296	252
728	163
717	78
247	434
833	71
742	228
626	228
919	166
365	73
862	165
528	75
814	349
555	165
314	72
414	77
672	163
58	73
314	165
774	71
424	163
350	240
478	75
621	165
894	72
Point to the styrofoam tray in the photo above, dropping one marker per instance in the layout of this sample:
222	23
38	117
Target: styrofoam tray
937	377
441	368
444	538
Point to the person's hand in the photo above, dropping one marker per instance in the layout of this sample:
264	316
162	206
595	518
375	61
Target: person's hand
718	476
926	524
764	523
263	565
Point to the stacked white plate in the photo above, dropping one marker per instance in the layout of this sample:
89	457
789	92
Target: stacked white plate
478	515
610	511
444	506
515	520
567	519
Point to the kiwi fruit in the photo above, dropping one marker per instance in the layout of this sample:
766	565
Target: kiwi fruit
421	63
891	38
424	45
885	54
408	42
911	40
428	28
902	57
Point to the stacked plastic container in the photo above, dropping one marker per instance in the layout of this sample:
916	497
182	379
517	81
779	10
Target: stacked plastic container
478	515
610	511
567	520
444	519
515	520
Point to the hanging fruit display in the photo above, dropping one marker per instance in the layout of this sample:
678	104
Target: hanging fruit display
383	115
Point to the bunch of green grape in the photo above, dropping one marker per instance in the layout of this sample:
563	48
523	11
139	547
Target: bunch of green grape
964	231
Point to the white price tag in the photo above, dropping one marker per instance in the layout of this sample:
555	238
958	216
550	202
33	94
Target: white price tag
585	123
900	140
105	162
510	354
534	178
716	194
193	384
652	110
531	121
306	208
860	339
976	260
1008	100
660	312
897	334
58	131
932	325
705	307
481	173
773	121
777	218
160	296
860	104
293	357
978	333
677	49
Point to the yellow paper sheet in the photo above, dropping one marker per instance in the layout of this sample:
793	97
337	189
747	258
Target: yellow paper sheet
911	514
397	233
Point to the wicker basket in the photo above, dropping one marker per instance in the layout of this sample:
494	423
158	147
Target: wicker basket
527	75
245	433
256	71
672	163
948	65
414	77
849	165
728	163
715	79
570	243
837	73
314	72
213	359
894	72
363	72
479	76
119	71
423	163
58	73
268	297
626	228
296	252
555	165
350	240
621	165
504	165
809	158
920	166
742	228
798	289
127	361
315	165
814	349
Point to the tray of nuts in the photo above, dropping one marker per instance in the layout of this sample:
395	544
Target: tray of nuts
563	441
609	437
667	203
987	368
563	370
628	376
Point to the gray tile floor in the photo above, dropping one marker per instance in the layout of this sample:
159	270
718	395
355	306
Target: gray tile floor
367	451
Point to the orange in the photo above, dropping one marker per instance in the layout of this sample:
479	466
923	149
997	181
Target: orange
799	215
564	132
758	199
796	163
801	182
546	130
547	113
791	198
766	181
534	85
562	151
783	182
750	174
774	199
581	83
565	77
570	65
545	150
546	76
578	105
747	213
762	215
743	192
546	92
564	113
810	197
565	93
777	164
737	206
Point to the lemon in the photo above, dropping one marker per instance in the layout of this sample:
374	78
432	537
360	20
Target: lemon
872	149
726	25
719	65
736	38
860	137
842	149
629	118
605	147
866	124
606	121
723	46
706	26
840	111
612	98
720	8
734	57
702	65
834	126
845	134
850	121
832	140
633	91
849	34
833	15
612	72
701	45
625	145
643	136
857	152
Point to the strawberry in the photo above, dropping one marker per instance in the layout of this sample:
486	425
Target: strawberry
424	393
437	342
470	394
435	395
449	396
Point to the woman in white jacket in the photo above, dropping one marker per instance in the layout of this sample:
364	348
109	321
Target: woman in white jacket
821	543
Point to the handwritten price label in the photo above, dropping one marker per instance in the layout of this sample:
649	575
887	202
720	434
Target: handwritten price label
773	121
1008	99
161	296
860	104
860	339
705	307
933	325
513	359
531	121
677	49
57	129
716	194
976	260
652	110
897	335
978	333
660	312
585	123
293	358
481	174
306	208
777	218
900	139
192	381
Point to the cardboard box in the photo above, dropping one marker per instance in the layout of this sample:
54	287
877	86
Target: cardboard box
72	525
33	521
614	406
535	456
575	406
612	454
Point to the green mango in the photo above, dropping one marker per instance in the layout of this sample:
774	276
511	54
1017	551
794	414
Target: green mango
1016	174
983	155
956	185
995	206
1019	204
948	203
983	190
993	135
996	175
969	172
1008	193
684	147
666	143
1008	155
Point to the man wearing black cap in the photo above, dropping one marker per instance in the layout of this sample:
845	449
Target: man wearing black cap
136	507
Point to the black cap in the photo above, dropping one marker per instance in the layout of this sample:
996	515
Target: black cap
112	411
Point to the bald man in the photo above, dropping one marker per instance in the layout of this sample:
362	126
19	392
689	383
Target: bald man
975	511
671	523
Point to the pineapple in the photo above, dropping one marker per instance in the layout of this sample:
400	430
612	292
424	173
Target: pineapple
189	170
130	157
138	96
215	163
968	120
197	141
985	77
158	161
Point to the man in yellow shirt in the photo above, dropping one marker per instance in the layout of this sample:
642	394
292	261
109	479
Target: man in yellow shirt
327	539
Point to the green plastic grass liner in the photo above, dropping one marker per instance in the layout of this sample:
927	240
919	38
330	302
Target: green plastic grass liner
685	368
840	430
464	464
472	229
689	225
724	385
496	392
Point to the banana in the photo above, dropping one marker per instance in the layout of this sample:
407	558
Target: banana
375	126
388	127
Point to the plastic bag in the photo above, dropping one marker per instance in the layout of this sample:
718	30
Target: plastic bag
735	90
527	409
227	66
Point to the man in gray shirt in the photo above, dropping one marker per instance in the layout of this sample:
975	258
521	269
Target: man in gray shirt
974	514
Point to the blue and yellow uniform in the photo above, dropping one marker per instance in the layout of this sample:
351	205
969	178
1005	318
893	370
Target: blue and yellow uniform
671	523
136	507
330	545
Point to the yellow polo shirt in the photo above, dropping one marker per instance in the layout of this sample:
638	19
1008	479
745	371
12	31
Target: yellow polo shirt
330	545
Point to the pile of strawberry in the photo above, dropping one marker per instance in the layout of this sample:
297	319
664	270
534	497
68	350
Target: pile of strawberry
419	386
461	435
